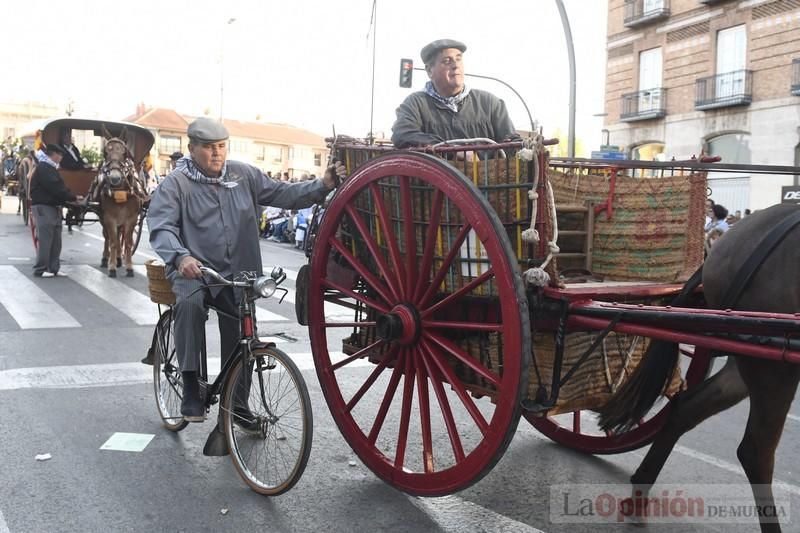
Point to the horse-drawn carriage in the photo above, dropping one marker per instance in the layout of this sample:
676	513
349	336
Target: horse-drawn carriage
454	265
114	189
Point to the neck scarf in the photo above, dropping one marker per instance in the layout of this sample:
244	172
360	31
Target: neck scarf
190	169
450	102
44	158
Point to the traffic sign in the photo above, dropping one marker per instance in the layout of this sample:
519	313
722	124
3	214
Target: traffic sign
608	154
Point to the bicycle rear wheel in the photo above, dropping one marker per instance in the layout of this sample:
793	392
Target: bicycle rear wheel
167	380
266	413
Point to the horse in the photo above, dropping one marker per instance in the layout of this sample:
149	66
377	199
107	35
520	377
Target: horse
753	267
121	196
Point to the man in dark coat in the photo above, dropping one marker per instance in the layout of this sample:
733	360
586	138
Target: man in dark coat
48	194
72	159
447	109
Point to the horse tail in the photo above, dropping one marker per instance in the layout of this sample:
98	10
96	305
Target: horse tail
638	394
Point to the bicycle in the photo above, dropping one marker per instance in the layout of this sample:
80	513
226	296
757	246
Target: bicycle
268	434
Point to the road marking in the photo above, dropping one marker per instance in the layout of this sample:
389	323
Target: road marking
29	305
127	442
133	303
115	374
733	468
3	525
265	315
101	239
19	258
451	513
793	417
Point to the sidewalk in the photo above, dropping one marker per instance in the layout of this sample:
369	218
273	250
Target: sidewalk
9	204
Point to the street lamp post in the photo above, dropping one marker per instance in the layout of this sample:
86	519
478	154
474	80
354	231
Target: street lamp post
222	64
572	83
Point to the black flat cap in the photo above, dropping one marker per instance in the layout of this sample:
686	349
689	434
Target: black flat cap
54	149
176	155
206	130
431	49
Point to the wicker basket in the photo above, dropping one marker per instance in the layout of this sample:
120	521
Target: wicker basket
158	285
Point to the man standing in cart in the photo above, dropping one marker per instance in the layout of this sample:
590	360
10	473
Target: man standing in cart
448	109
205	213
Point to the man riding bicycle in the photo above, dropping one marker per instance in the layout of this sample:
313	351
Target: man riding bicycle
206	212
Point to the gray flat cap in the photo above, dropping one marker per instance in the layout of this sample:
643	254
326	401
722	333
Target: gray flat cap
431	49
206	130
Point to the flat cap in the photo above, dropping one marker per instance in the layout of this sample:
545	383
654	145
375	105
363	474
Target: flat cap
54	149
206	130
430	50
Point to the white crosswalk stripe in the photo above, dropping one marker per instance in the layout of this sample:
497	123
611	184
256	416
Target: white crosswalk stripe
39	310
36	310
130	301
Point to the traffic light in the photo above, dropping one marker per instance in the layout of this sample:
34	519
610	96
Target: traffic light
406	71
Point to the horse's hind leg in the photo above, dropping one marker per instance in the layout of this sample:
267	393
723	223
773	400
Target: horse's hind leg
113	249
772	387
722	391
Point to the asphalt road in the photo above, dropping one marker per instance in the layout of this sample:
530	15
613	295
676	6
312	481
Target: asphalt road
70	380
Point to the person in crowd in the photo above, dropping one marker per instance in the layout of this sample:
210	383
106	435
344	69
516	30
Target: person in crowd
447	108
205	213
718	225
48	195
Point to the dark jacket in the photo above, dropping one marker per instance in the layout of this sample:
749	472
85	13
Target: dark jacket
48	188
72	160
423	121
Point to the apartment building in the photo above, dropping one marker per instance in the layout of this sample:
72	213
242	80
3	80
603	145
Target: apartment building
721	77
275	148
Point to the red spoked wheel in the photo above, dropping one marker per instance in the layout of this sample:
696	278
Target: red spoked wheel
449	320
579	430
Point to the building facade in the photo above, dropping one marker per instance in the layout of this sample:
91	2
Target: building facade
720	77
275	148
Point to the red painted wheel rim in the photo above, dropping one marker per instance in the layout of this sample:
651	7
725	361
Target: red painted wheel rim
572	435
417	356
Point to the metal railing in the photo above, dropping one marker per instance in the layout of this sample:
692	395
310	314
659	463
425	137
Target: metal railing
724	90
796	76
643	105
638	12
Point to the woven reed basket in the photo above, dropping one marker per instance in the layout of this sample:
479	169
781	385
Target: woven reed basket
157	283
655	234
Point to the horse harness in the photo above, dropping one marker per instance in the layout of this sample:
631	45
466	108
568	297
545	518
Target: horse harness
117	175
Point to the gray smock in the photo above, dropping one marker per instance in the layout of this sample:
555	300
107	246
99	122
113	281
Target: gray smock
422	121
218	226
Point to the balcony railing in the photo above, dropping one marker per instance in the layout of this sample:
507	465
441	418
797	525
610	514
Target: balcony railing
796	77
643	105
639	12
711	2
724	90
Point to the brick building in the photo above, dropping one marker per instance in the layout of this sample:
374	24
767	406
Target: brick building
714	76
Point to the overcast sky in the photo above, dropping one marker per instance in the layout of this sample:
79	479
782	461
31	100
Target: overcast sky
302	62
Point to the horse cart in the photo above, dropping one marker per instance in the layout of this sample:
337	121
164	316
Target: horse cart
486	283
118	181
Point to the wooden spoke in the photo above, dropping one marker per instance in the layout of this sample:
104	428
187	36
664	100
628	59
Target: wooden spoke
451	298
377	254
444	404
388	232
430	244
369	302
424	415
446	264
471	326
411	240
405	412
368	276
359	354
387	399
464	357
376	372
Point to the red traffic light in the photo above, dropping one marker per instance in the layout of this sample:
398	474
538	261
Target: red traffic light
406	72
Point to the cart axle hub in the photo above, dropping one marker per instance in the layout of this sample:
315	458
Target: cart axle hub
401	324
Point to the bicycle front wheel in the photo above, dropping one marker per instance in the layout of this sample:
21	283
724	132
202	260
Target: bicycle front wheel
266	413
167	380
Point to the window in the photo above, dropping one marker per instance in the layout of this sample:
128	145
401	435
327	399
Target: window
647	152
731	61
169	144
238	146
650	80
275	153
728	189
317	159
731	147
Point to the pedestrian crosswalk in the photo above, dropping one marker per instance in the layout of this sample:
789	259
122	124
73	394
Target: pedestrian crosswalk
28	303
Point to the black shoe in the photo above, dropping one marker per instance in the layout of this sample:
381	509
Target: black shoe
246	421
192	407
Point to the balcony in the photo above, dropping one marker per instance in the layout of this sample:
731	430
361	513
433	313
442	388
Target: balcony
643	105
724	90
711	2
796	77
640	12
